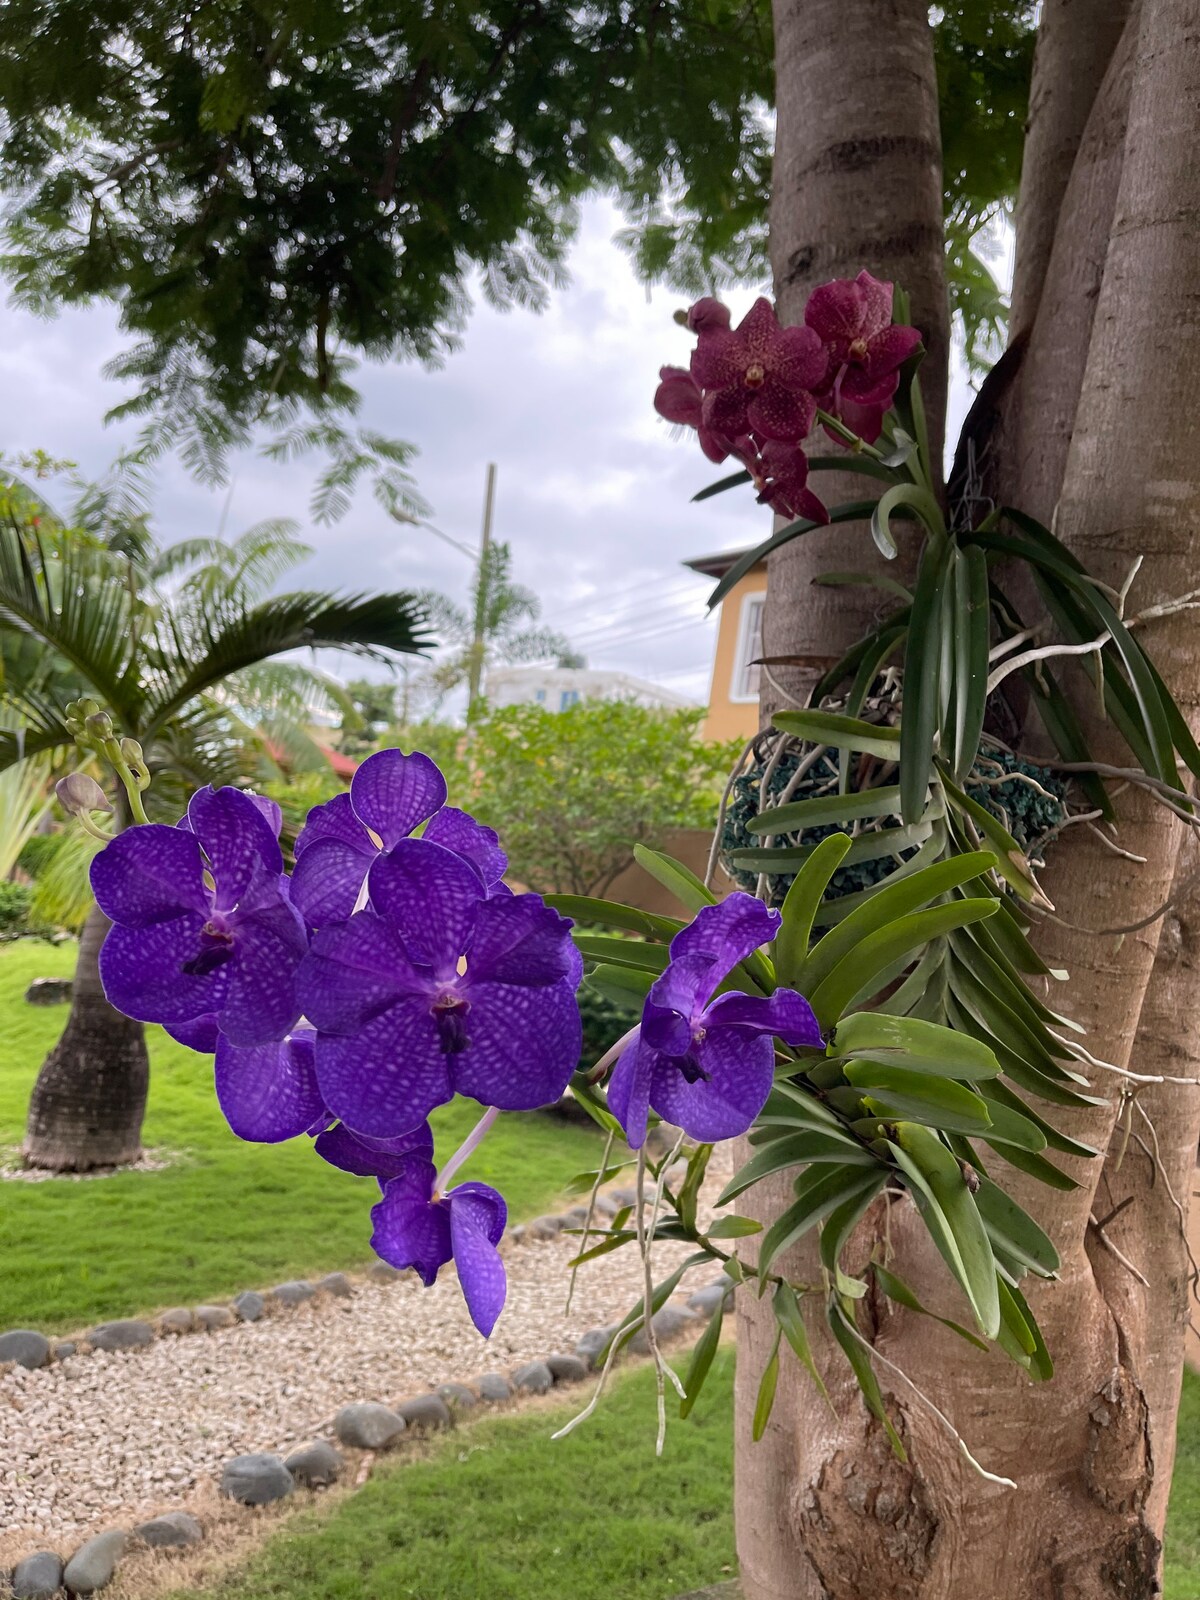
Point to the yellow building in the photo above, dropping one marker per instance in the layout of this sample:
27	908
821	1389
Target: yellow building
733	694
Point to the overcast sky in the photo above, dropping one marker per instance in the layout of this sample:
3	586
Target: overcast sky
593	490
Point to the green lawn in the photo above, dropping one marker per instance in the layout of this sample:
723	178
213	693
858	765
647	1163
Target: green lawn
499	1510
594	1516
230	1215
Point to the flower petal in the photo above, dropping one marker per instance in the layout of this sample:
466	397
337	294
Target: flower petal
629	1090
722	935
431	897
678	397
201	1035
141	970
524	1045
799	358
785	1014
260	1002
740	1069
477	1218
520	940
877	303
352	972
149	874
458	831
387	1077
411	1233
725	412
758	329
237	840
778	412
835	311
719	359
376	1158
329	877
269	1092
271	810
393	792
334	820
890	349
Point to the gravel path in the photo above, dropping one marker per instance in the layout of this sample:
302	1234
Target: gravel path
105	1438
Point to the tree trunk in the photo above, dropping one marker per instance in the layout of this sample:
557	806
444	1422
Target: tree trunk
824	1511
88	1102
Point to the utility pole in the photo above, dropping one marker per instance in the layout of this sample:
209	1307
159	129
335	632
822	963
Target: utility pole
474	681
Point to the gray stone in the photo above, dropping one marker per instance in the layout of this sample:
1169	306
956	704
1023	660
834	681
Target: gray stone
622	1197
256	1480
575	1218
606	1205
534	1377
593	1342
25	1347
249	1305
214	1317
127	1334
669	1322
38	1577
49	991
426	1411
63	1349
336	1283
494	1386
518	1233
315	1465
567	1369
293	1293
382	1272
457	1396
178	1319
705	1301
542	1228
94	1563
176	1530
367	1426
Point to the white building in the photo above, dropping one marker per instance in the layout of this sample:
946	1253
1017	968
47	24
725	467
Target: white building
556	688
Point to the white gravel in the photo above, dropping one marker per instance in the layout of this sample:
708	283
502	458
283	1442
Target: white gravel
106	1438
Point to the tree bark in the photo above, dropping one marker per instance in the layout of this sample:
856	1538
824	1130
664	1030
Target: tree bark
88	1102
824	1511
1076	40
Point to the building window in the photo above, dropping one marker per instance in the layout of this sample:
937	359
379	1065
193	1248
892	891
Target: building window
744	687
540	697
570	697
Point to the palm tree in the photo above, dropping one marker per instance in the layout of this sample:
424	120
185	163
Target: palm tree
182	649
494	627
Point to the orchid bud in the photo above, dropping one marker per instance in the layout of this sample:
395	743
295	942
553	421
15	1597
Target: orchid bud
131	752
78	794
99	725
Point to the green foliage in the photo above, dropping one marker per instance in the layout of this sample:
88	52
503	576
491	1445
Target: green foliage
226	1215
572	792
15	900
372	708
272	191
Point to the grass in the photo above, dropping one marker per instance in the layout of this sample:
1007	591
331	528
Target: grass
593	1516
499	1510
228	1215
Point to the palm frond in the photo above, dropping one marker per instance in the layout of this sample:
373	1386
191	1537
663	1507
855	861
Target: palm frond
235	637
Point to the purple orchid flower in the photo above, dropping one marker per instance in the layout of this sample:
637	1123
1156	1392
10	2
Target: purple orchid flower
420	1224
440	989
707	1064
853	319
202	923
390	795
758	377
268	1092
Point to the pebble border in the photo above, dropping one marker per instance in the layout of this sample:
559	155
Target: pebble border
365	1427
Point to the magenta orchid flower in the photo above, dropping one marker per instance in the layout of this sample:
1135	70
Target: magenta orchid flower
864	349
759	377
705	1062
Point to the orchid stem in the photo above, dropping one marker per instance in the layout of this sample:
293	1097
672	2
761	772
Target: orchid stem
469	1145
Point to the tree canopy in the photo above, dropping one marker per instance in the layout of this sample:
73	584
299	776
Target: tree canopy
272	191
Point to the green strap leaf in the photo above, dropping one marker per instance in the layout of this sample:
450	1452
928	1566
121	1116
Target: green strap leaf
731	482
846	733
820	1190
624	986
922	661
622	952
822	809
924	1046
937	1102
794	1150
1013	1227
853	511
766	1392
791	1322
950	1214
972	640
842	1326
841	1222
800	906
896	1289
681	881
872	957
912	497
702	1359
609	914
